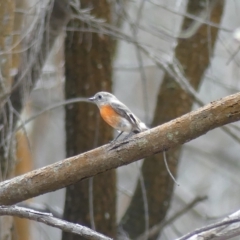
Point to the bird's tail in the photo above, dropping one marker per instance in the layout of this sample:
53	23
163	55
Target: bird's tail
140	127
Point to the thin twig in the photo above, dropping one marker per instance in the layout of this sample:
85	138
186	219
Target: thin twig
42	207
52	107
234	218
201	18
158	227
166	164
57	105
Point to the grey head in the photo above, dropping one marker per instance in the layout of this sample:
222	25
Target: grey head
102	98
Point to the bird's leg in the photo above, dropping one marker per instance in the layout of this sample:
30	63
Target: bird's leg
118	136
114	140
129	135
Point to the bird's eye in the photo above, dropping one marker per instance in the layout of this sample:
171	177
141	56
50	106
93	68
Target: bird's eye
99	96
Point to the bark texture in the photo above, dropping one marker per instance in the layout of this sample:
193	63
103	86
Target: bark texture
89	70
172	102
23	165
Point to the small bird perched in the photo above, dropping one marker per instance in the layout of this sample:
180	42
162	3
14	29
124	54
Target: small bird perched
117	115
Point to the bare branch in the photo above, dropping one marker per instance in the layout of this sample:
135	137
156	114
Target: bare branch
156	140
50	108
43	207
49	23
48	219
226	229
168	169
199	18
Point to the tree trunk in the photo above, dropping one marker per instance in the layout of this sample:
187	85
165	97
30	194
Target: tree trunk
6	27
88	70
193	55
24	161
13	90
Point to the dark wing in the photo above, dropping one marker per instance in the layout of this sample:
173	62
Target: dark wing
125	112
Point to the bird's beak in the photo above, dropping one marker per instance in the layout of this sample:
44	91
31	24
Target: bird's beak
91	99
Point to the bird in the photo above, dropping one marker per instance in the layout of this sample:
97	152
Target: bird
117	115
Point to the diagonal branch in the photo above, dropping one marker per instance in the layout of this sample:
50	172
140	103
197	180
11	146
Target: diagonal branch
156	140
223	230
48	219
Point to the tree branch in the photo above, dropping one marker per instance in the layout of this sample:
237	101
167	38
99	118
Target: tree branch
226	229
48	219
156	140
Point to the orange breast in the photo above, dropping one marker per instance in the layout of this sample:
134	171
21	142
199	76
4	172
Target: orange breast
110	116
